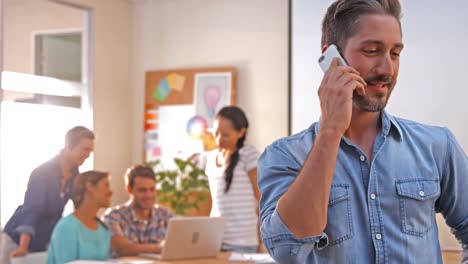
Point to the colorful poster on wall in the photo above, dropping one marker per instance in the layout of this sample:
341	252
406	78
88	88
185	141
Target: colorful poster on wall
179	110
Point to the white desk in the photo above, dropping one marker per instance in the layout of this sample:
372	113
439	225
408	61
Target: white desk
222	258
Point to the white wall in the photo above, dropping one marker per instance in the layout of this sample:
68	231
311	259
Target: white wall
249	35
112	49
113	27
431	87
131	37
21	19
305	51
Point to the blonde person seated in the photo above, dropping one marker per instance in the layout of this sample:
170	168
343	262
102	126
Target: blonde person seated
139	225
81	235
232	173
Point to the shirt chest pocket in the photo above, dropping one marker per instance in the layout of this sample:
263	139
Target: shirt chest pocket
55	204
339	219
417	198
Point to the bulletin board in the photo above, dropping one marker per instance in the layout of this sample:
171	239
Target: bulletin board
180	106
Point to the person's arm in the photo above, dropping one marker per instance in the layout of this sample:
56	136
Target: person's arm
278	167
453	195
120	243
300	168
33	206
253	179
124	247
314	180
22	249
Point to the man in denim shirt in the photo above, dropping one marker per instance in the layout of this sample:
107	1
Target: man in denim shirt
361	186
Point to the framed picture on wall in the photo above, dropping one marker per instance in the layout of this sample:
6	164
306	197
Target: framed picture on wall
212	92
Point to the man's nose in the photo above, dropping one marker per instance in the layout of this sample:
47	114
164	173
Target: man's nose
385	66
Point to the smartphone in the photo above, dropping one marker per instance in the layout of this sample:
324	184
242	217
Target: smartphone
328	55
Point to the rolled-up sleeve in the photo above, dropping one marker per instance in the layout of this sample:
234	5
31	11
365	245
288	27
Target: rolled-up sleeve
453	202
34	203
277	169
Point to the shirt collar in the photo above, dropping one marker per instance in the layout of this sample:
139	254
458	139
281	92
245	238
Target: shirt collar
74	170
388	122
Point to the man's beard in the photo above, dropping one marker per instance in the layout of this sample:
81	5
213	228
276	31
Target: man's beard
367	104
140	205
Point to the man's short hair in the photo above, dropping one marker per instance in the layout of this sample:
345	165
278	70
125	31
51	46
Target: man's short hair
138	171
342	17
76	134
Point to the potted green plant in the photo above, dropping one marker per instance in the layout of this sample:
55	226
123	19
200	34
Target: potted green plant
183	188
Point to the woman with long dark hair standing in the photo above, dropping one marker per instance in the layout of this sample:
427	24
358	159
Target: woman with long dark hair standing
232	173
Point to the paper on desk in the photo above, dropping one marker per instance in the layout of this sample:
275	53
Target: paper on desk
255	257
140	261
89	262
114	261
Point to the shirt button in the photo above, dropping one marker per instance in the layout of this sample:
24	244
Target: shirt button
362	158
378	236
372	196
421	193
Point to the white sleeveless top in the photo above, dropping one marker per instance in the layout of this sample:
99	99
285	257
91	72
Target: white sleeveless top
238	205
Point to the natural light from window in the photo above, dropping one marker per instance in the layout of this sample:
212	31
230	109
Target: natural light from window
31	134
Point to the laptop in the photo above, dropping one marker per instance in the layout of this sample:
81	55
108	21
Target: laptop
191	237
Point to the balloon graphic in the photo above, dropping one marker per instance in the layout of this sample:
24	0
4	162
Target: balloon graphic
212	96
196	127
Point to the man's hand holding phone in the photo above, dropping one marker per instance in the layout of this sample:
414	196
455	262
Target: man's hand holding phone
336	91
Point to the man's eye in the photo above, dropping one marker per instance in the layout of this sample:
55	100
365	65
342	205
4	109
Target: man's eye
372	51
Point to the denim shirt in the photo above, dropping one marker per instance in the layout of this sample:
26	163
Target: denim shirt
43	205
379	211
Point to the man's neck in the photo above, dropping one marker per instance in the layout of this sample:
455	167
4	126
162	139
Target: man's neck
65	163
142	214
363	130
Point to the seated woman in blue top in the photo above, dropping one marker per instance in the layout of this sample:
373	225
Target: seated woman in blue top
81	235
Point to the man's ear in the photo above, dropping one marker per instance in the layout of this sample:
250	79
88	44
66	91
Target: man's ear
128	188
324	48
66	148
